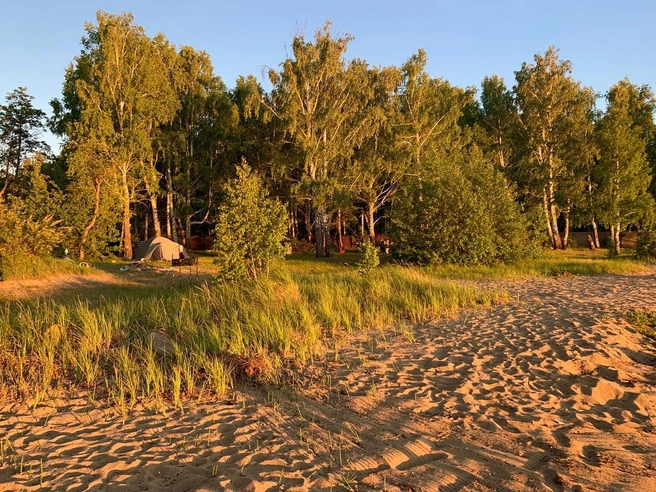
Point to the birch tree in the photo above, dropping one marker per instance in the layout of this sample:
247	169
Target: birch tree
320	98
624	173
550	105
123	94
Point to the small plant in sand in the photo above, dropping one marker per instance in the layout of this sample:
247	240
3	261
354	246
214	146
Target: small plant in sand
644	322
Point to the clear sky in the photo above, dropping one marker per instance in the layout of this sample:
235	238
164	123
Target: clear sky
606	40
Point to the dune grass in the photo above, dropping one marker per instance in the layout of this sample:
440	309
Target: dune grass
216	331
219	332
644	322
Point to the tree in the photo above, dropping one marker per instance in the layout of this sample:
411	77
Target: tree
250	228
430	110
198	136
463	213
551	106
498	117
624	174
21	125
321	100
122	91
377	165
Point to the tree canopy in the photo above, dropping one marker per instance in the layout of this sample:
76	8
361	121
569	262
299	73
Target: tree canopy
153	141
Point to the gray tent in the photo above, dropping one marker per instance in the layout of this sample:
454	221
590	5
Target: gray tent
160	248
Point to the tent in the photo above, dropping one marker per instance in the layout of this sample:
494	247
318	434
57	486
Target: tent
159	248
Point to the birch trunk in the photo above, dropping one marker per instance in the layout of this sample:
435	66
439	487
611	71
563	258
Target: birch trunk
340	233
153	205
553	216
595	233
171	228
127	233
371	222
92	222
545	203
566	231
323	246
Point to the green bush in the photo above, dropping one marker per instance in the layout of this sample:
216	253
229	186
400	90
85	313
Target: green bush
369	260
301	246
646	247
250	228
23	237
463	214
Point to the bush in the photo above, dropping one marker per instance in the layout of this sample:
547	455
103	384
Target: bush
369	259
301	246
646	246
463	215
249	230
23	237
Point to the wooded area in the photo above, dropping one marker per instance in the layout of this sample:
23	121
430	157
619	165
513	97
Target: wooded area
153	137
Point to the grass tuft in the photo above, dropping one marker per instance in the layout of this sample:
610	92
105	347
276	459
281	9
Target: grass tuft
644	322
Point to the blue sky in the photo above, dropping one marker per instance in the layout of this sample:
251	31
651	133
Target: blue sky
465	40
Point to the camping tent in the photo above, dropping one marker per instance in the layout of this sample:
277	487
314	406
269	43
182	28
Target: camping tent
159	248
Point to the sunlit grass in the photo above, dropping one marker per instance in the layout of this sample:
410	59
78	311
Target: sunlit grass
644	322
572	261
23	267
220	332
217	332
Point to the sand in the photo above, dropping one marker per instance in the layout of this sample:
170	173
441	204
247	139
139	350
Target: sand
552	391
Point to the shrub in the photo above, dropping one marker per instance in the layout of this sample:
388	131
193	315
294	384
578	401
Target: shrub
646	247
462	214
301	246
369	259
250	228
22	236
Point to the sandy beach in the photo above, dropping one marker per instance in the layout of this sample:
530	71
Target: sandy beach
553	391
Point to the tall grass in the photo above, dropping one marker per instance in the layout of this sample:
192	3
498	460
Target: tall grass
216	332
19	267
220	332
573	261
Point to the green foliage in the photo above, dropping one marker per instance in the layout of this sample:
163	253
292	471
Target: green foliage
623	172
464	215
323	101
21	124
250	228
301	246
646	247
370	259
23	236
555	116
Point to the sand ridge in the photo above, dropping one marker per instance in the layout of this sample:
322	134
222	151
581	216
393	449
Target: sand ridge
553	391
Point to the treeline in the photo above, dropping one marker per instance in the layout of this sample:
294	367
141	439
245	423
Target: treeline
152	136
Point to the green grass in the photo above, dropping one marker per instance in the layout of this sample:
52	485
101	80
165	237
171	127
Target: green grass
644	322
22	268
219	332
572	261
